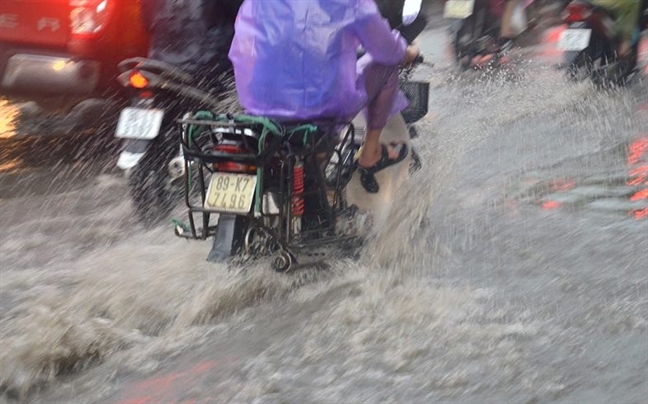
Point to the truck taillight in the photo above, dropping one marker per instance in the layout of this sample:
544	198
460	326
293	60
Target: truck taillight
89	17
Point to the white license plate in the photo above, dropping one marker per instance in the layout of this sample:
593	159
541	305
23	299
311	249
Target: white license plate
230	193
138	123
458	9
574	39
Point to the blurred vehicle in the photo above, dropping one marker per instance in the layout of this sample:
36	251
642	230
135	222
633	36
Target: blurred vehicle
476	27
151	155
476	24
184	50
591	43
66	48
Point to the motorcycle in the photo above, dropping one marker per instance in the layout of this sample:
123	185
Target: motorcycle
591	46
285	189
150	155
476	27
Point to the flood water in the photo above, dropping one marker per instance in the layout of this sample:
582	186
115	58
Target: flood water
512	268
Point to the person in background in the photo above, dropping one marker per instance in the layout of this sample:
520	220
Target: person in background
627	16
194	35
297	59
507	35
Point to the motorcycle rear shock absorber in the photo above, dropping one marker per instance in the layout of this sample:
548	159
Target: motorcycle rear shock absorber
298	203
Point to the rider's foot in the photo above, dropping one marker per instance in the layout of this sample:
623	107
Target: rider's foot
369	158
369	163
504	45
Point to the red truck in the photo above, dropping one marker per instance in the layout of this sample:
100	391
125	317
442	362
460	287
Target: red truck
66	47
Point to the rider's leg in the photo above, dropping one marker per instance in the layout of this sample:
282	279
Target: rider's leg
506	31
381	83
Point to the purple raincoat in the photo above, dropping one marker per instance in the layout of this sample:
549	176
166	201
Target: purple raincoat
297	58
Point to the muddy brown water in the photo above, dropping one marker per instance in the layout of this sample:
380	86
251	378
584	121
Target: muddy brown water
512	268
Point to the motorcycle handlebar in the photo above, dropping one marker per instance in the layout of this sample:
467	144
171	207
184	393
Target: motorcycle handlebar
420	60
155	66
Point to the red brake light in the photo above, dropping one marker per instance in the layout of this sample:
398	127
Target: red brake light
577	12
89	17
230	166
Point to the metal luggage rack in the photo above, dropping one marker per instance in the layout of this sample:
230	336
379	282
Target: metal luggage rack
283	144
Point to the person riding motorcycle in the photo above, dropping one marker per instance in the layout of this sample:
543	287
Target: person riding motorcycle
507	35
191	34
627	15
297	59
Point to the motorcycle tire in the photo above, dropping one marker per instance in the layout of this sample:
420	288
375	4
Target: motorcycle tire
577	62
147	183
584	63
461	56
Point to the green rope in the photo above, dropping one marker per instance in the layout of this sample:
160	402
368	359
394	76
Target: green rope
191	129
308	130
200	115
177	223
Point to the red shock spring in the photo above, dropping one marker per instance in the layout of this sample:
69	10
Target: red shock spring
298	189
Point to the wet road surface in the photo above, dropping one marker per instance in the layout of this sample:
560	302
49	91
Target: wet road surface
514	269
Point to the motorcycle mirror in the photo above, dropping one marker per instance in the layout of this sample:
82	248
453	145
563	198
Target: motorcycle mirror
411	10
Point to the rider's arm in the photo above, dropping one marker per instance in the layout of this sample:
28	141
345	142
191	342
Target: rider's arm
384	45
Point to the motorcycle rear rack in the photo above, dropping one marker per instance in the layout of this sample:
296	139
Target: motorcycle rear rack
286	148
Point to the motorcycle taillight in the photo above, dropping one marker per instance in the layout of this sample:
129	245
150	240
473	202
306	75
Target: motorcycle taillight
232	166
137	80
577	12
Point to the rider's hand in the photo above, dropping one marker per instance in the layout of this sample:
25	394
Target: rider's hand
411	53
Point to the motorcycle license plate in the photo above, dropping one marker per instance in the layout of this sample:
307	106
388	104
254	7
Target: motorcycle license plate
574	39
458	9
138	123
230	193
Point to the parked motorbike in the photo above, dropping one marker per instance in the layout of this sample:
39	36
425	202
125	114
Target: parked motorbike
591	46
476	27
285	189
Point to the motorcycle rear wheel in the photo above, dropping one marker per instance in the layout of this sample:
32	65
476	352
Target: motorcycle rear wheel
147	183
